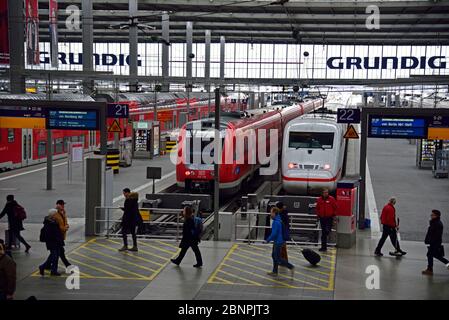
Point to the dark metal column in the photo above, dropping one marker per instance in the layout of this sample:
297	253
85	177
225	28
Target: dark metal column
217	155
16	22
133	44
207	67
88	43
222	59
103	132
363	154
49	141
165	52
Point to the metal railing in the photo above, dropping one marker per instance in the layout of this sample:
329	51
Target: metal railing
108	222
295	228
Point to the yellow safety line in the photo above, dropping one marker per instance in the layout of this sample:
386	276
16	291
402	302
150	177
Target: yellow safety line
305	268
258	247
97	269
109	265
158	248
115	258
262	277
290	257
240	278
128	254
332	274
223	280
224	259
168	245
280	275
146	252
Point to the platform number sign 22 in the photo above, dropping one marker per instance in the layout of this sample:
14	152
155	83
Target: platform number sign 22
118	110
348	115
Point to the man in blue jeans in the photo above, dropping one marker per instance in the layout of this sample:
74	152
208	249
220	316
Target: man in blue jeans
277	236
52	236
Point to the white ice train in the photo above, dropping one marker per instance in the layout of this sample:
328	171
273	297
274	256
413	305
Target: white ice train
313	153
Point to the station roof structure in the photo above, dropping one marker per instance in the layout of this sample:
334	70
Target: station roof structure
411	22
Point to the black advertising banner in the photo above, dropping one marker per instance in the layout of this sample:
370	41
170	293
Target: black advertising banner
4	37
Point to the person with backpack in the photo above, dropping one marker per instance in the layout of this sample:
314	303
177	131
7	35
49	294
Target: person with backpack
190	238
277	236
7	275
16	214
283	213
60	216
53	238
131	219
434	240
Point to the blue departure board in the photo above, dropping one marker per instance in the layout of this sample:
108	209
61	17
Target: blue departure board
397	127
72	119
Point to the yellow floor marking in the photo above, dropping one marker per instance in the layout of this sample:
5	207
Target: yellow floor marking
280	275
97	269
223	280
332	274
168	244
110	265
147	252
240	278
298	272
121	260
262	277
224	259
290	257
268	250
159	248
128	254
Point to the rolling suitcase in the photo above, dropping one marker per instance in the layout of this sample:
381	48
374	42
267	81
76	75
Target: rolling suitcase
311	256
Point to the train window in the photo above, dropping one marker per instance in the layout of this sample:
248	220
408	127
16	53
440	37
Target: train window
41	149
311	140
10	135
59	146
168	125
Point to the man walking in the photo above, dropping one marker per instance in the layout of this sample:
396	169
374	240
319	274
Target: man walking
326	209
15	223
389	229
52	236
277	237
283	213
7	275
60	216
434	240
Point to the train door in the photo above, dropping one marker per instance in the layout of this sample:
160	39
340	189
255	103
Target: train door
175	123
27	147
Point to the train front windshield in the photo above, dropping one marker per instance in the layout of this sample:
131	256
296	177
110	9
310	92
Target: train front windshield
311	140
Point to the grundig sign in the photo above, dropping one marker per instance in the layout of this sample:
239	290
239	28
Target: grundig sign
408	62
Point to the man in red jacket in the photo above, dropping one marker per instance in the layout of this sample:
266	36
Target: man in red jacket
390	226
326	209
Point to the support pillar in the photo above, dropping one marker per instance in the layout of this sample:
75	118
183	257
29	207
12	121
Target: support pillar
165	52
88	43
16	23
222	61
133	43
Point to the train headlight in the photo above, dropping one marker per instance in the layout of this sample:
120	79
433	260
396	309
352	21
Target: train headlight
188	173
327	167
292	165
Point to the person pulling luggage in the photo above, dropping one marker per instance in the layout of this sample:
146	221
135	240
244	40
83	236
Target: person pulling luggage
16	214
277	236
434	240
326	210
390	227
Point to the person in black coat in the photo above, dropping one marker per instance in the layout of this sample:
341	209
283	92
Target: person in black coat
189	239
53	238
130	219
15	225
434	240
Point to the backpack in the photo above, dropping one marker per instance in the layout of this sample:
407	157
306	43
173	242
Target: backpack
198	227
43	234
19	212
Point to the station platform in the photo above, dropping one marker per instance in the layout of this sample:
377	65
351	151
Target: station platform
231	270
393	171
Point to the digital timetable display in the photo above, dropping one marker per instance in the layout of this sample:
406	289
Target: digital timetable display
397	127
72	119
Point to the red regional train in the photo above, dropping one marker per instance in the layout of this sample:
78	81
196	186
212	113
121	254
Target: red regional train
194	175
24	147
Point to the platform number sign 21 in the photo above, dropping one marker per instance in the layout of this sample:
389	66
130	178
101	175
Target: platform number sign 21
118	110
348	115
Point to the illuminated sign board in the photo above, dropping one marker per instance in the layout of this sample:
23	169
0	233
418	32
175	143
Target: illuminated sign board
22	118
72	119
397	127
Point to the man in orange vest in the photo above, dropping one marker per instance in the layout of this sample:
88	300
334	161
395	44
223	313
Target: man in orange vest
326	209
389	229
